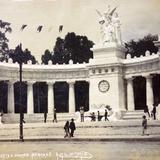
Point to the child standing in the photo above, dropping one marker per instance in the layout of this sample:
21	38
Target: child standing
144	125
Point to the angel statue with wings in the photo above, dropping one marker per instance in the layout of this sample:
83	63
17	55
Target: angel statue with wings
109	26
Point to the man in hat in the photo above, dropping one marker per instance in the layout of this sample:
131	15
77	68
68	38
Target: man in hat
72	127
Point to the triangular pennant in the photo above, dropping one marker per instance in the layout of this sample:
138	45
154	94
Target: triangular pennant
39	28
23	27
60	28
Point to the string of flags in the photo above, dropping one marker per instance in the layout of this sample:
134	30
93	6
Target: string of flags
40	27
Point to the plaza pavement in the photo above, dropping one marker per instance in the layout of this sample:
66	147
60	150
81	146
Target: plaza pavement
121	130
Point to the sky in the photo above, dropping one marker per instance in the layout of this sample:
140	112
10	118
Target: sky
138	18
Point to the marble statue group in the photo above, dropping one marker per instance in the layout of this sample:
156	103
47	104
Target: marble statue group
109	26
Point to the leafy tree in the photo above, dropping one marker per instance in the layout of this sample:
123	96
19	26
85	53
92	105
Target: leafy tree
25	55
46	57
137	48
61	55
4	49
73	47
79	47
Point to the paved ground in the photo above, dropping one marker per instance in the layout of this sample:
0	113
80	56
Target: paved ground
95	150
90	130
116	140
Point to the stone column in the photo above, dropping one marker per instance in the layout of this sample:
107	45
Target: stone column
130	95
11	97
149	92
30	103
71	97
50	97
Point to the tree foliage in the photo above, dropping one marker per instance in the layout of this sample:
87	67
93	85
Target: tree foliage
18	54
72	47
137	48
4	49
46	57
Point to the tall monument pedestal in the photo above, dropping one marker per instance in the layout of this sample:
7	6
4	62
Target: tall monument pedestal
106	78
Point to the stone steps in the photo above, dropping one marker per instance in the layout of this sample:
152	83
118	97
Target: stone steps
39	117
88	129
36	118
131	115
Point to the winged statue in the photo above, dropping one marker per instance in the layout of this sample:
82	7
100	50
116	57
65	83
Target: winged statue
109	25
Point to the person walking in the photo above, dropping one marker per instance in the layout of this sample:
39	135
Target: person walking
98	116
1	116
144	125
66	129
106	115
55	116
93	117
154	112
82	113
146	111
45	116
72	127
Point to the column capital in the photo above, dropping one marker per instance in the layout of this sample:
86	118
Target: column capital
129	78
12	82
147	76
51	82
87	80
71	82
30	82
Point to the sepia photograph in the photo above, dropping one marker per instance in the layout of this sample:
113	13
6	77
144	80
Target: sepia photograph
79	79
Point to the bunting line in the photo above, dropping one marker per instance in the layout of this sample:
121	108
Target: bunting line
40	28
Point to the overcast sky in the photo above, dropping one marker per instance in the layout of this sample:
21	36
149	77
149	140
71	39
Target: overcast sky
138	18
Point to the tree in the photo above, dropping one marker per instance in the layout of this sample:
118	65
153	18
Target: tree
4	49
46	57
73	47
78	47
137	48
26	55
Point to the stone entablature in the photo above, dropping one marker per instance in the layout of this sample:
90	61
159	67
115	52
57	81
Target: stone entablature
138	66
10	71
128	67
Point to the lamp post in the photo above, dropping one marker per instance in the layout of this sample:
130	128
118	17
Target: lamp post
20	60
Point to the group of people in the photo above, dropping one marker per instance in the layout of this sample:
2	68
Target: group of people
69	128
93	115
151	114
99	116
54	116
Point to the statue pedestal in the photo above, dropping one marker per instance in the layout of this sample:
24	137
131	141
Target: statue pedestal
109	52
106	77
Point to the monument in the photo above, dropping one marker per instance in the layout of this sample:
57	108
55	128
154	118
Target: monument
107	84
109	77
